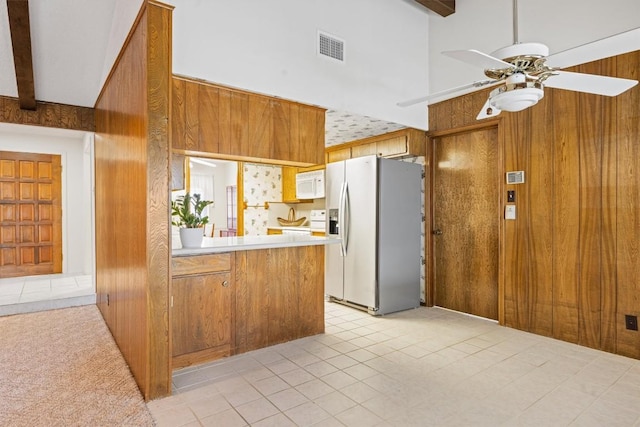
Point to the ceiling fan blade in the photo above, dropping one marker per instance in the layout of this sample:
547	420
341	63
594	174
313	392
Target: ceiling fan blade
442	93
488	111
589	83
603	48
477	58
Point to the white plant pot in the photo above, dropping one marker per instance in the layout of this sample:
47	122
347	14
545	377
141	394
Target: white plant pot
191	237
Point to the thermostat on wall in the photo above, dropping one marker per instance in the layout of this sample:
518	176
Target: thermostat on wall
515	177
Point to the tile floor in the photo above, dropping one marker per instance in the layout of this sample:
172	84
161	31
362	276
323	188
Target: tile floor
45	292
421	367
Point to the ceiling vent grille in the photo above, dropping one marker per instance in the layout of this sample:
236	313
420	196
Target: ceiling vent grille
330	46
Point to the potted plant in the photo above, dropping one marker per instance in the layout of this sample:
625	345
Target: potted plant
186	213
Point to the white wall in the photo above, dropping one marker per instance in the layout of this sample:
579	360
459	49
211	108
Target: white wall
488	25
270	47
76	151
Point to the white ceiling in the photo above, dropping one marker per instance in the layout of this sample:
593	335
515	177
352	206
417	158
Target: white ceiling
75	42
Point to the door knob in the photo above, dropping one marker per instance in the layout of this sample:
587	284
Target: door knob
437	232
225	284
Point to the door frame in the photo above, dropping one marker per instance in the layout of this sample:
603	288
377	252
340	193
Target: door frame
430	209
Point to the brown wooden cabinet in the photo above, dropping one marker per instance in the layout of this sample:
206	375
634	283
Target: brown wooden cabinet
401	143
211	119
202	297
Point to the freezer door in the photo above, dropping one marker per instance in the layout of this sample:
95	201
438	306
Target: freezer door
360	231
399	229
334	260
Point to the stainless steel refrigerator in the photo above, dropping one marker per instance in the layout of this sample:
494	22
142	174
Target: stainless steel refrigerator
373	205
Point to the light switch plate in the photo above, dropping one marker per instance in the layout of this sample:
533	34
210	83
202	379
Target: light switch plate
510	212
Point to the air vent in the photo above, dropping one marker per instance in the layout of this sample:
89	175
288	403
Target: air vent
330	46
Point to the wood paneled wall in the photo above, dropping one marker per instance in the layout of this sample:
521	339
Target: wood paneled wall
47	114
570	262
132	152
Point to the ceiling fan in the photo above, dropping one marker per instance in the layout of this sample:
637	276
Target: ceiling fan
522	70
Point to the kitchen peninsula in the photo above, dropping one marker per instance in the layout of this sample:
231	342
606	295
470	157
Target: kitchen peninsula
236	294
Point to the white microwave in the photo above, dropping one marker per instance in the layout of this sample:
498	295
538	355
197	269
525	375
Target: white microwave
310	185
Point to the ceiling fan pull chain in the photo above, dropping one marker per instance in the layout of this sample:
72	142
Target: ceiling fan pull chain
515	22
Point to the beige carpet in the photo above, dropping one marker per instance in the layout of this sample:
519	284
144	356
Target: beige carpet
62	368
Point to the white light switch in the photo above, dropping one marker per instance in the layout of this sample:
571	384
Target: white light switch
510	212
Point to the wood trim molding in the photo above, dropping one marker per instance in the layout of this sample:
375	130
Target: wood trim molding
441	7
18	11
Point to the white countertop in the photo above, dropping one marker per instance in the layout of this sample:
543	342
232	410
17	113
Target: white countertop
301	228
230	244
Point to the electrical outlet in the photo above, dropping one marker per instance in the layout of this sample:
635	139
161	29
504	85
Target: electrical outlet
631	322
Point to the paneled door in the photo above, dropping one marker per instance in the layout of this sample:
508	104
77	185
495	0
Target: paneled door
466	216
30	214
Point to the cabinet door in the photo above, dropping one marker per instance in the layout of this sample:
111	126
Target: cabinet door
201	314
259	126
392	147
310	135
281	130
364	150
289	184
233	116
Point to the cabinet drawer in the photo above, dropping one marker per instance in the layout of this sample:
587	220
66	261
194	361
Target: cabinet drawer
198	264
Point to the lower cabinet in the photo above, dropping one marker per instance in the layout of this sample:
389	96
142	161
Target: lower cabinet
201	313
229	303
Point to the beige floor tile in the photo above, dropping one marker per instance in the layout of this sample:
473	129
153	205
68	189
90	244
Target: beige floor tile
257	410
414	368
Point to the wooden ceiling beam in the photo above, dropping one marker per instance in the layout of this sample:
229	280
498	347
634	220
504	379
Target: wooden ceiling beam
441	7
21	40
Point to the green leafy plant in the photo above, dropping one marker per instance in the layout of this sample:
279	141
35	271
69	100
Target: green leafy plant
186	211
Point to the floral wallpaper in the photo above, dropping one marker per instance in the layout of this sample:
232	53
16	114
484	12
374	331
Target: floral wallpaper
262	183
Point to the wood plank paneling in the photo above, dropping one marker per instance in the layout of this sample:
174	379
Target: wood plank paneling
158	241
535	212
628	214
566	219
178	114
590	131
208	112
191	116
571	258
132	191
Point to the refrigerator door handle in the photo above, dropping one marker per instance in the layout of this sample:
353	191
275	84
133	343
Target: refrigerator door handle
341	217
347	218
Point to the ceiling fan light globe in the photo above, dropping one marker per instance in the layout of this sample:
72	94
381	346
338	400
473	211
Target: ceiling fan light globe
518	99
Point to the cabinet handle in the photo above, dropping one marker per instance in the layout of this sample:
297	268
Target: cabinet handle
225	284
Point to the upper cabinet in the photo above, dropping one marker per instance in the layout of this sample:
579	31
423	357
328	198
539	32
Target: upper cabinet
401	143
211	119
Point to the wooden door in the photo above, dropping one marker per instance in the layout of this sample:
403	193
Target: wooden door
466	216
30	214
